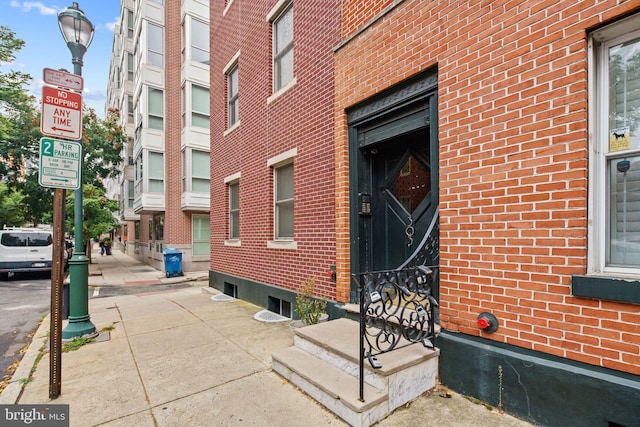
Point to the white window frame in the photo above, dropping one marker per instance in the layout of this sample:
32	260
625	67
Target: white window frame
193	47
150	114
276	13
232	65
229	181
285	159
598	209
155	174
154	52
197	174
195	113
200	241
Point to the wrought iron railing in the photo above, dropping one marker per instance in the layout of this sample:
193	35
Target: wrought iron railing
399	307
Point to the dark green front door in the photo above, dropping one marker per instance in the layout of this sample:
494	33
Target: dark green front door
401	199
393	152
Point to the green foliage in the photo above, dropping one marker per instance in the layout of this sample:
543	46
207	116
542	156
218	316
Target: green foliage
98	212
11	207
102	143
75	344
308	307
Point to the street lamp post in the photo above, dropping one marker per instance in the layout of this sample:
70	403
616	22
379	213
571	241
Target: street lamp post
77	32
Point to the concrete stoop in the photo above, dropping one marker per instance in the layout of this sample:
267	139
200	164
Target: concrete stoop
324	363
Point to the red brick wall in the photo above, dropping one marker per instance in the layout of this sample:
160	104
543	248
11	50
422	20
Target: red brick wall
512	90
301	118
177	224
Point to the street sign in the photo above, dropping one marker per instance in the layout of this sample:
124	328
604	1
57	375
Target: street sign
63	79
60	163
61	113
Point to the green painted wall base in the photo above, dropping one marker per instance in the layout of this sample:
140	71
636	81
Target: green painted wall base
258	293
542	389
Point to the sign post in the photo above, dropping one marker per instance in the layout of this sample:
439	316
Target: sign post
60	163
61	113
63	79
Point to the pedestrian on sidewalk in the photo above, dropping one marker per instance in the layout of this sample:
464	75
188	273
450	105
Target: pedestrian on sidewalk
101	247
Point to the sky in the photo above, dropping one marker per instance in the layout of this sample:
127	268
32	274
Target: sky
36	23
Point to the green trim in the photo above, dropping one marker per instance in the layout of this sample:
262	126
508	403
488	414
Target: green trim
537	387
606	288
258	293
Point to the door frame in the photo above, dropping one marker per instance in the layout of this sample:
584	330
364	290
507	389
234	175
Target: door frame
403	108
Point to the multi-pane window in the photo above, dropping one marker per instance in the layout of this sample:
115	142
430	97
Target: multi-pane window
616	176
201	234
200	171
199	41
156	109
232	96
234	210
199	106
130	65
129	23
129	108
155	45
159	227
283	48
283	179
130	194
156	172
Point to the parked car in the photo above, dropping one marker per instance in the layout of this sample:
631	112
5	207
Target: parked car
24	250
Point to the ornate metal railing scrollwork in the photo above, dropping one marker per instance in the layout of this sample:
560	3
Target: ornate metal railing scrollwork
397	309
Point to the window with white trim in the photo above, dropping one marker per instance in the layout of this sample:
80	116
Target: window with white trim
199	41
156	172
614	235
155	109
234	209
155	44
199	106
200	171
130	66
233	113
200	232
282	33
129	14
283	203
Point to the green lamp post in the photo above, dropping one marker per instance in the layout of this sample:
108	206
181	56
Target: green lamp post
77	32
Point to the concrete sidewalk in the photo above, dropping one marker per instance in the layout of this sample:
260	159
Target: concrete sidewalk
182	358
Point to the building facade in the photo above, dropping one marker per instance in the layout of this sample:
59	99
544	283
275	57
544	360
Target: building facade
160	78
344	130
272	174
528	113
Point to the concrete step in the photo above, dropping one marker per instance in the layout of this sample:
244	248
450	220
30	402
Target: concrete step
336	390
341	338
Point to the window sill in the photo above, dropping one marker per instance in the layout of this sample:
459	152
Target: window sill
233	242
282	244
235	126
606	288
282	90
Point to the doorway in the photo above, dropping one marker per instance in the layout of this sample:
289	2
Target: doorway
393	143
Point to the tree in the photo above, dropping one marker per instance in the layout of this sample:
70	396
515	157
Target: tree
11	207
102	142
98	212
14	99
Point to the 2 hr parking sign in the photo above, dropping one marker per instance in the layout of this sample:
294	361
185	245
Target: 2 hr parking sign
60	163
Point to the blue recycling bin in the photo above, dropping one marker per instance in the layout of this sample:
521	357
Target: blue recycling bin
172	262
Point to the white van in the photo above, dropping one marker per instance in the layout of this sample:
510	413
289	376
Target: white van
24	250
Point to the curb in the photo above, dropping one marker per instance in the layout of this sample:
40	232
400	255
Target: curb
11	394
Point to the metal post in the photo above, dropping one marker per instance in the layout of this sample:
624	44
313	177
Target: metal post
79	320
